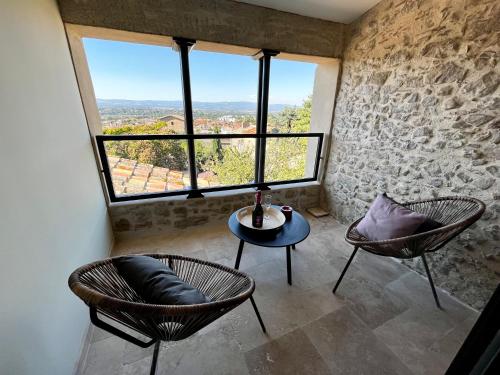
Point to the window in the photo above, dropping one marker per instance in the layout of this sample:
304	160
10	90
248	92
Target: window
290	96
224	92
184	120
138	87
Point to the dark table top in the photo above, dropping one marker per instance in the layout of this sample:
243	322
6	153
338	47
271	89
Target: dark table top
293	232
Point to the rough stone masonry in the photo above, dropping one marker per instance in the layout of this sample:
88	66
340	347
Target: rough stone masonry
417	116
155	216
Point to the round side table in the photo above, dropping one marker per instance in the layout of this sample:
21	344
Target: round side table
294	231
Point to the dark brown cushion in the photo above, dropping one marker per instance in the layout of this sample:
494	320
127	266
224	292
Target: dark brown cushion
154	281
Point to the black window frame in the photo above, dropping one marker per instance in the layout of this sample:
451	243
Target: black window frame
183	46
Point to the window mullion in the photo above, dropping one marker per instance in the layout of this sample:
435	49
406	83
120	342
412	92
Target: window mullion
265	73
184	45
259	109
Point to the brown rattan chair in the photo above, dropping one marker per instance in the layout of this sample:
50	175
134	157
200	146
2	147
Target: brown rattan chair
100	286
455	213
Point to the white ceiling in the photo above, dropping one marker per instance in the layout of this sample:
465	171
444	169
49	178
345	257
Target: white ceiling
344	11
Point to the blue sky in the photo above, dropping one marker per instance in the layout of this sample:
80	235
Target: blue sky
140	72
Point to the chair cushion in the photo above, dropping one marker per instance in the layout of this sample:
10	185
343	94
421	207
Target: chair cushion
386	219
427	225
154	281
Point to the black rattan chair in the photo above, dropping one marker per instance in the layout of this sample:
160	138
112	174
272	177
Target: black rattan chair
455	213
100	286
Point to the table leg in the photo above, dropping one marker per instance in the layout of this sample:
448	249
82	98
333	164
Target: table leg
238	257
293	247
288	265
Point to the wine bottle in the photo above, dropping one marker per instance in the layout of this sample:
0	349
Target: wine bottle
258	211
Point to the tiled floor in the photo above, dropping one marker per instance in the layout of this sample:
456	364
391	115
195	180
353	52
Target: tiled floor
383	319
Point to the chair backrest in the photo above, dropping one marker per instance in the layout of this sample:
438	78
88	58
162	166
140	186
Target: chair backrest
449	210
101	287
456	213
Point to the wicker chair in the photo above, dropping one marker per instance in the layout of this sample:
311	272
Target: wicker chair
455	213
100	286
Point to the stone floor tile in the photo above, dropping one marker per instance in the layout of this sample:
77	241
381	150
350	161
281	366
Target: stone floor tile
382	320
139	367
309	269
422	330
416	290
202	354
417	338
285	308
346	343
331	247
290	354
133	353
273	271
105	357
369	300
99	334
448	346
380	270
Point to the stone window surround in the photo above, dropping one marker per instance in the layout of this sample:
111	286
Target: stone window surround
216	194
324	92
167	214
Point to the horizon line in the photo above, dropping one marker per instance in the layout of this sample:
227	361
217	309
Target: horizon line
194	101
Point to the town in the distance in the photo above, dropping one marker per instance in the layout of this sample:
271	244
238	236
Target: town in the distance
162	165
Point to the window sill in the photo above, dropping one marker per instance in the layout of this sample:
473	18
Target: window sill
214	194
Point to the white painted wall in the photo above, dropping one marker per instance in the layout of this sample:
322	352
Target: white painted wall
323	100
53	216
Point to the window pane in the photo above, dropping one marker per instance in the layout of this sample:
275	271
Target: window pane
290	158
138	87
290	92
224	91
148	166
223	162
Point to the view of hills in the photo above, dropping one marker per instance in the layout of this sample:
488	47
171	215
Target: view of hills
177	105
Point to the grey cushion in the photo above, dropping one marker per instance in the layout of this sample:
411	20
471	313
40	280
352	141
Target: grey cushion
154	281
386	219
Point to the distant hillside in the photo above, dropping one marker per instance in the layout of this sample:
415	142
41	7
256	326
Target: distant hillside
178	105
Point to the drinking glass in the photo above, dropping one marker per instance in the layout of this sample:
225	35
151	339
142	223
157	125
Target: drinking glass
267	204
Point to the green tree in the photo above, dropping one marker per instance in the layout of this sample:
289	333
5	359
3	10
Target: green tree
159	127
217	145
236	167
205	155
302	123
285	118
160	153
293	119
285	157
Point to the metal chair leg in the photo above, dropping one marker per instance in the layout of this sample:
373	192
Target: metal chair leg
431	282
258	315
345	269
155	358
238	257
288	266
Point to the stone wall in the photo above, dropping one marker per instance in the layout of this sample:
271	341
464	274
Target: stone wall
162	216
418	116
220	21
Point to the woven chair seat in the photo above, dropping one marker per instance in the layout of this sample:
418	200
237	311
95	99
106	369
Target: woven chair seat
455	213
100	286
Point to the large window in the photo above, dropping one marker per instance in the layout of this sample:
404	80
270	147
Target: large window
290	96
224	92
138	87
183	120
